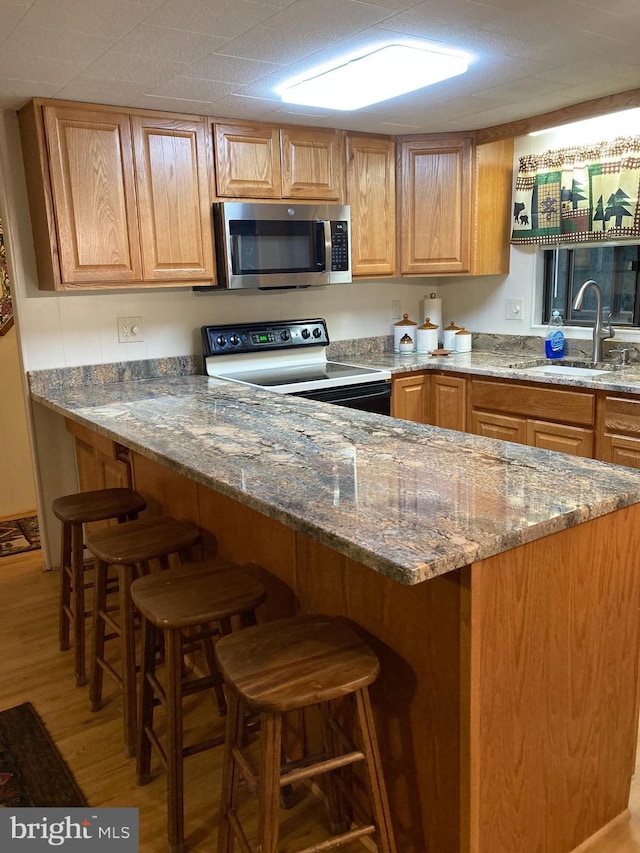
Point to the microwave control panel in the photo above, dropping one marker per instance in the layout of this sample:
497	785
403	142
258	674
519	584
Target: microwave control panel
339	246
255	337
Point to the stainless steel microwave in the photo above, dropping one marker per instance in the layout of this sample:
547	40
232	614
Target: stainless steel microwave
279	245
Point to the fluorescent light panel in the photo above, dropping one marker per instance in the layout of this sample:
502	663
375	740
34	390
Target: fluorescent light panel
366	79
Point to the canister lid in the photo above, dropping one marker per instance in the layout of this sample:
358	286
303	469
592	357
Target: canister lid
406	321
463	331
428	324
452	327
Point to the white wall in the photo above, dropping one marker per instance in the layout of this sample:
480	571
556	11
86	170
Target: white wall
479	303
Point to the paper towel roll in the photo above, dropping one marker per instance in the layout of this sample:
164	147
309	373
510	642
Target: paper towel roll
432	308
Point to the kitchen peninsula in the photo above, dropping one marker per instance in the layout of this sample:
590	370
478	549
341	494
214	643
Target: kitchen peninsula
498	583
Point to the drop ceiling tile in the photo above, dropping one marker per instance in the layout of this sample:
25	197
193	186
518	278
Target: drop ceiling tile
38	69
173	105
146	71
231	69
328	21
215	17
15	93
271	45
11	14
173	44
57	44
192	89
238	106
99	91
113	19
590	68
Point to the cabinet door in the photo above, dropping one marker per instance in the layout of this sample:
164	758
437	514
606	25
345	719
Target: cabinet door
92	183
410	398
436	207
492	227
173	196
371	192
505	427
449	406
566	439
312	163
621	450
247	160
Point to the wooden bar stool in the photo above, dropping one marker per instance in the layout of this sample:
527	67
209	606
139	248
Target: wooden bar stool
130	547
188	605
285	666
74	511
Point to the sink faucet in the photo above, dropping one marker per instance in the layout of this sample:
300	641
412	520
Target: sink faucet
599	334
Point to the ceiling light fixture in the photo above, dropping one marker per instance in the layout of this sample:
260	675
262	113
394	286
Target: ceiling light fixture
378	75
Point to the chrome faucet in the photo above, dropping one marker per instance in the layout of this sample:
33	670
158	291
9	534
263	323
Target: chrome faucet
599	334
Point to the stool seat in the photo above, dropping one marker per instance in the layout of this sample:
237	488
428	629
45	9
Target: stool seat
142	540
99	505
190	605
197	593
292	663
74	511
305	662
131	547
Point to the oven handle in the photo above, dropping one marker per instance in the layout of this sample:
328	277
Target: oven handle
346	393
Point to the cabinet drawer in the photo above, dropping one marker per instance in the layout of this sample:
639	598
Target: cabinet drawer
504	427
621	416
511	397
561	437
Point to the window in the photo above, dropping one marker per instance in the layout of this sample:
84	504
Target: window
615	268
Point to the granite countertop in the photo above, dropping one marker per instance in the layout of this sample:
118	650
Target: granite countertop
618	378
408	500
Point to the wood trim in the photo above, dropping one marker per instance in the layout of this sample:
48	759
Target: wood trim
565	115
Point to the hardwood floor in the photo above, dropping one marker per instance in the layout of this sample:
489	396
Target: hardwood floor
33	669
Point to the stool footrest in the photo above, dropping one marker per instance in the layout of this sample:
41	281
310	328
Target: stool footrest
340	840
315	765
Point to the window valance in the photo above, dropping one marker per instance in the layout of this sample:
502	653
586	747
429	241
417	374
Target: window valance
580	194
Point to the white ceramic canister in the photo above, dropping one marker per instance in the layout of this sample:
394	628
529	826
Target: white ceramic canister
463	340
427	336
403	327
449	336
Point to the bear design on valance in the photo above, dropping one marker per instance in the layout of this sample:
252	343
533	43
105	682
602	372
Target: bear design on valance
581	194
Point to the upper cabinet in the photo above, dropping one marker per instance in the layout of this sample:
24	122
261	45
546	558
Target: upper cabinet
371	192
117	198
455	199
436	203
263	161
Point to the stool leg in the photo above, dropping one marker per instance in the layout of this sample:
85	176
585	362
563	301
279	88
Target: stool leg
128	645
97	646
269	805
220	700
77	583
175	775
145	723
65	586
379	802
339	813
230	774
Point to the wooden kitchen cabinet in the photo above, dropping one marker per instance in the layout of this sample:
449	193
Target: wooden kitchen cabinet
102	463
255	160
371	192
436	203
247	157
519	412
410	397
492	209
619	431
449	401
118	198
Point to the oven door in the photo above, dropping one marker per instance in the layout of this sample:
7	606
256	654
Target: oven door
368	397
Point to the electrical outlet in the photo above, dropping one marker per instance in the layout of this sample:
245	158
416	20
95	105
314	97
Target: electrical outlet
130	330
395	309
514	309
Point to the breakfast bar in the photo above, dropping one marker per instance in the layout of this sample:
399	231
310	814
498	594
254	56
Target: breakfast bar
498	583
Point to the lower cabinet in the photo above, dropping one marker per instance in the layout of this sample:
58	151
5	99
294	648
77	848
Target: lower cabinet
619	431
410	397
102	463
449	402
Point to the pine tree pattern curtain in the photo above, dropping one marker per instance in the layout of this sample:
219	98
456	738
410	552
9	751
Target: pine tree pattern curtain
581	194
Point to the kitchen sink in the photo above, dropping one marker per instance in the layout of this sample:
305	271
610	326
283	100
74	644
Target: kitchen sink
565	367
567	370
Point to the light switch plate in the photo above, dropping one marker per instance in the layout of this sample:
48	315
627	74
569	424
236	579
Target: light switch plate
514	309
130	330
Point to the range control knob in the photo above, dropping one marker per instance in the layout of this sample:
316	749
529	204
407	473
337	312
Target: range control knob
221	340
284	335
317	332
234	340
306	334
